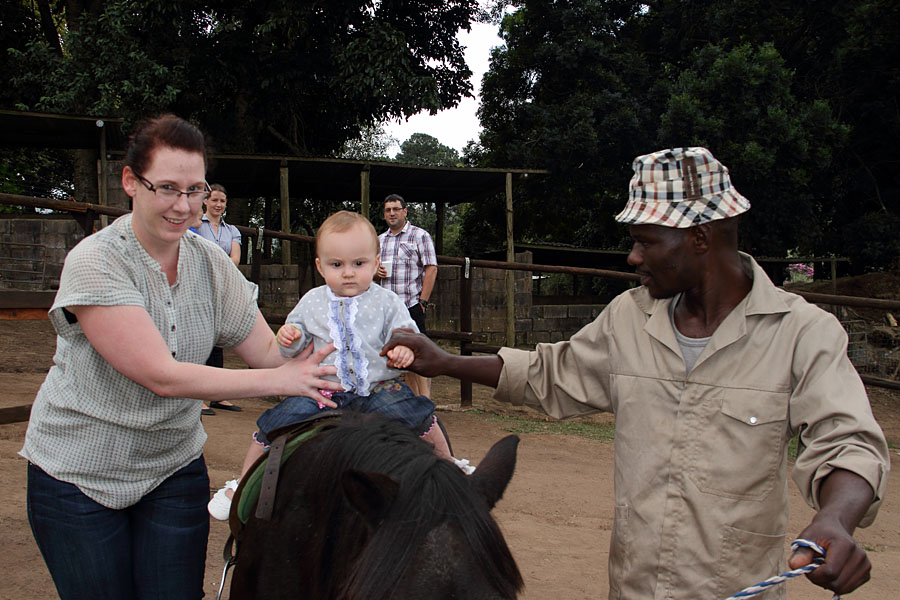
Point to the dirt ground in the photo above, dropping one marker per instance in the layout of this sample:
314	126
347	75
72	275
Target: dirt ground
556	514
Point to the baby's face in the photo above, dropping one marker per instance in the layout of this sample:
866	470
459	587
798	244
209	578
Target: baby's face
347	260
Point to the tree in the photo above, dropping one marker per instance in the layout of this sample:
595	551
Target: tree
95	59
567	95
778	149
423	149
303	77
426	150
277	76
372	144
839	54
798	99
266	75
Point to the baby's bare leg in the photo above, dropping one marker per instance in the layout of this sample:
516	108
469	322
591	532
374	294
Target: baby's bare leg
253	453
436	438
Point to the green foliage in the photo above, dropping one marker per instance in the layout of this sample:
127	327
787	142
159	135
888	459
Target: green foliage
423	149
39	173
799	101
107	66
871	239
261	76
563	95
372	144
302	77
778	149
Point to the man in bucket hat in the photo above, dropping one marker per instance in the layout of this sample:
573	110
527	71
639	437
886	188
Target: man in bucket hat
710	371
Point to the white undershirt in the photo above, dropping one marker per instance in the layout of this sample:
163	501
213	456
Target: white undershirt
691	348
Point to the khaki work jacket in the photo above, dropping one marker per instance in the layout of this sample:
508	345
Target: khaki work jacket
701	459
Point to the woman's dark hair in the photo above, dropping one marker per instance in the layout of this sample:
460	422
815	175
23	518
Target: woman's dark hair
218	187
165	130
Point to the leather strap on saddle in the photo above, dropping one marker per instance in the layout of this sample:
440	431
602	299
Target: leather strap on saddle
266	502
286	439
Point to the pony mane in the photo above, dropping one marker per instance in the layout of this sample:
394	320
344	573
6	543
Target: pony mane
431	491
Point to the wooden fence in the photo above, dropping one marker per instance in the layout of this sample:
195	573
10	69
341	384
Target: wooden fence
468	340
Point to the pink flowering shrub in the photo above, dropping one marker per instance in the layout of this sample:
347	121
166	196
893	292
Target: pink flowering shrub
799	273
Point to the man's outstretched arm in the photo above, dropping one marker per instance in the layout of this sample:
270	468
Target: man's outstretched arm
431	360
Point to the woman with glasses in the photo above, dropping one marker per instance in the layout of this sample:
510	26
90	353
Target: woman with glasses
117	484
227	237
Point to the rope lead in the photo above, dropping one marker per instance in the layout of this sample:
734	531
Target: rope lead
764	585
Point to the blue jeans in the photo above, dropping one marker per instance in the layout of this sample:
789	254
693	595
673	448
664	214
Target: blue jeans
392	398
151	550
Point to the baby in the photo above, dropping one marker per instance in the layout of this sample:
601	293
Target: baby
357	316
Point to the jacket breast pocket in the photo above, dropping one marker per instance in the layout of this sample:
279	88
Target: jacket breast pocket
739	443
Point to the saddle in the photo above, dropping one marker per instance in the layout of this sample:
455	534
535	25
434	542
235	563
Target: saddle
259	486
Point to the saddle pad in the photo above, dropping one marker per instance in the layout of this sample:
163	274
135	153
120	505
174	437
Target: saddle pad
252	484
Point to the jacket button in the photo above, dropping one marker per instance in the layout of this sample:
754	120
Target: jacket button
753	420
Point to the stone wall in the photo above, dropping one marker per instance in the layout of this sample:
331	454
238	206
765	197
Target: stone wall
32	251
534	323
279	287
38	246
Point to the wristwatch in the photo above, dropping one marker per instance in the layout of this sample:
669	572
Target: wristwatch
424	303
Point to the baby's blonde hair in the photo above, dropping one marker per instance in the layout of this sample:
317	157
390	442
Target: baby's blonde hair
342	221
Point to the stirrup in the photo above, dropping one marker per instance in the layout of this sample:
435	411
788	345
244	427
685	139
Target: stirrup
230	560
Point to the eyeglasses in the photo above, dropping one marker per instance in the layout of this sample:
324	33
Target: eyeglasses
390	209
168	192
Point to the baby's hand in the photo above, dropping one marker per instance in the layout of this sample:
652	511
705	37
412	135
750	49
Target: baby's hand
287	334
400	357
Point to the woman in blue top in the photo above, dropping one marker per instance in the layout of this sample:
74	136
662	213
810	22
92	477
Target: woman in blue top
214	228
227	237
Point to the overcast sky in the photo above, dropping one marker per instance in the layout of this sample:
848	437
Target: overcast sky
456	126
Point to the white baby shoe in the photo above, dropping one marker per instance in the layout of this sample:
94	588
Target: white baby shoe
463	464
220	505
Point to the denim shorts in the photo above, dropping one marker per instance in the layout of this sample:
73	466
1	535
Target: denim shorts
393	399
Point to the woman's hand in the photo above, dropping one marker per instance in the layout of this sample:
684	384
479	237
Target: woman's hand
306	374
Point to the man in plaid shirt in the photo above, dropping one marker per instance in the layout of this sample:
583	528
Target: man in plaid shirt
409	251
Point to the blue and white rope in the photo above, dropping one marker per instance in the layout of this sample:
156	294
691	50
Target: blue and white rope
764	585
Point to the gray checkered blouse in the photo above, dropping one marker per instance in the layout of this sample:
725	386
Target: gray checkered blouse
91	425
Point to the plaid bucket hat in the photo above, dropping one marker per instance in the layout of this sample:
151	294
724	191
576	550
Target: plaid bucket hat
681	187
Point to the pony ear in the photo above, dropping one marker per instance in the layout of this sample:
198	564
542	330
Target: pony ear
371	494
494	472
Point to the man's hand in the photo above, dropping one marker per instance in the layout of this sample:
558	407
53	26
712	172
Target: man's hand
846	564
844	499
431	361
429	358
400	357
